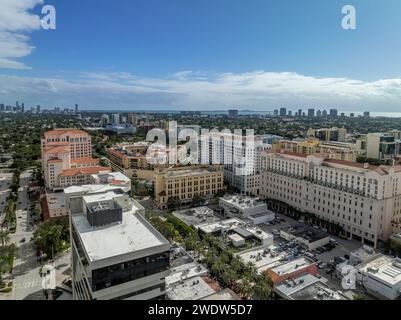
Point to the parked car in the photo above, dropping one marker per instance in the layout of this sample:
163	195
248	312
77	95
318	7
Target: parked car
322	265
346	256
329	270
22	240
333	241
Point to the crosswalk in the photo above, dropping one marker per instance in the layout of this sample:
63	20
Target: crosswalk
28	284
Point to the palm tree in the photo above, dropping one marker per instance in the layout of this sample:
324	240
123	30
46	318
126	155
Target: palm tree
244	287
4	238
263	287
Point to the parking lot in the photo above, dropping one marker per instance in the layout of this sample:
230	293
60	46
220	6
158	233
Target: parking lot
325	257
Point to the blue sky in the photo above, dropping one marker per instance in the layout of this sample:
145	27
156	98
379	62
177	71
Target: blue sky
187	54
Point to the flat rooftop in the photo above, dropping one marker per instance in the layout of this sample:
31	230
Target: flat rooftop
363	253
308	287
262	258
229	224
196	216
132	234
235	224
307	233
291	266
90	188
383	267
191	172
56	200
185	271
225	294
235	237
243	202
194	288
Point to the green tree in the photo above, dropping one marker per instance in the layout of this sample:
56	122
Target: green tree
52	237
4	238
173	203
358	297
263	287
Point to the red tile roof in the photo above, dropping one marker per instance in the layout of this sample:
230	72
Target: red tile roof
84	160
63	149
85	171
62	131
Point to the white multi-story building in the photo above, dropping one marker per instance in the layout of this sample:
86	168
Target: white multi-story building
364	200
381	276
240	156
116	253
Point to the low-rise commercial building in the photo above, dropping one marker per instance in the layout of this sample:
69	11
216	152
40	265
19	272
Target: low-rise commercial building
292	269
308	237
234	225
53	205
307	287
381	276
244	207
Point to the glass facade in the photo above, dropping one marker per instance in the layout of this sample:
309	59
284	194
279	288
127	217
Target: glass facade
130	270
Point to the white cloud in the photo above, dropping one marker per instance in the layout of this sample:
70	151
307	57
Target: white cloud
258	90
15	21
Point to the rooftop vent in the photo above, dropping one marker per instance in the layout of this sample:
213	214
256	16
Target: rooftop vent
103	213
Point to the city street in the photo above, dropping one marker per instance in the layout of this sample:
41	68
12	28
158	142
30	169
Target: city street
26	278
27	283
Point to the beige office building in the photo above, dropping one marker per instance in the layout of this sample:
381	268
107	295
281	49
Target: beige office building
187	182
332	150
363	199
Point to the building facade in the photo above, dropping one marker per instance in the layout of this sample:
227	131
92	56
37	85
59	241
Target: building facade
67	158
116	253
328	134
185	183
363	199
333	150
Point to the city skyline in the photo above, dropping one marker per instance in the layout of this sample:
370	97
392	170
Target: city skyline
258	55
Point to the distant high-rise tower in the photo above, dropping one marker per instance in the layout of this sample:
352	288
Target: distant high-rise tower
116	119
299	112
283	112
311	112
318	113
22	108
333	113
275	112
76	108
133	119
232	113
38	109
105	120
